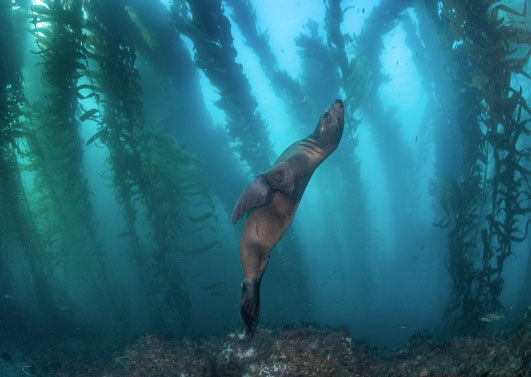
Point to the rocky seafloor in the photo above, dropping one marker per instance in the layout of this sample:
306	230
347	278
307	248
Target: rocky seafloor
295	350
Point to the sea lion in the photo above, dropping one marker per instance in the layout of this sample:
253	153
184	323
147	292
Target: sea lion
275	196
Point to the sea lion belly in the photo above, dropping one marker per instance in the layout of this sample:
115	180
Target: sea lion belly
262	229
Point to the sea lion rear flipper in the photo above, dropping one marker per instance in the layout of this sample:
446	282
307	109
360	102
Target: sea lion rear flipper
257	194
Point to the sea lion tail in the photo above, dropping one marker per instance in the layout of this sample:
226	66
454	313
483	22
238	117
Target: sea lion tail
250	305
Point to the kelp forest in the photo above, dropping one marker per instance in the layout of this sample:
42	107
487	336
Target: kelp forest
129	128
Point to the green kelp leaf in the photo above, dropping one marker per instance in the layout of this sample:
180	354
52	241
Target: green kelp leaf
88	114
97	135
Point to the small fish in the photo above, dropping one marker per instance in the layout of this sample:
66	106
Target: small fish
403	326
217	294
363	10
416	139
322	285
396	61
25	368
490	317
9	297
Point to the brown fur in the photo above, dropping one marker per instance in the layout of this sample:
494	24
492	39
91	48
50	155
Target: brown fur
275	196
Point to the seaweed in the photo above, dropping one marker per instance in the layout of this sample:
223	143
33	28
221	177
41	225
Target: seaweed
148	167
493	207
286	87
59	195
354	82
395	155
172	63
17	219
209	30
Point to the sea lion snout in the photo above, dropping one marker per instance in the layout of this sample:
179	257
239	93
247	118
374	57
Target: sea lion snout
339	108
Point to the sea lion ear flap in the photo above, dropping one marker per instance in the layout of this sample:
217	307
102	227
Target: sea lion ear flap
257	194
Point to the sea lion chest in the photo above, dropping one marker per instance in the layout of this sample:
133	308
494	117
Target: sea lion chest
264	226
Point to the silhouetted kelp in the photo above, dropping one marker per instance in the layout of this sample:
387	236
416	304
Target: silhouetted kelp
209	29
438	118
147	167
283	84
89	73
396	156
354	82
60	198
88	50
17	222
486	211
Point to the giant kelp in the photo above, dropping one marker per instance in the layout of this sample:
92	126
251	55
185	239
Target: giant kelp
354	81
209	29
320	78
487	208
286	87
114	83
172	62
17	219
59	195
11	100
355	75
148	168
438	117
394	153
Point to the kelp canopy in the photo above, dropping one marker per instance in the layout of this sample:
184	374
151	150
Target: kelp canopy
128	128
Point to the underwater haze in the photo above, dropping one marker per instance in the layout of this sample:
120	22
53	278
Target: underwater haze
129	129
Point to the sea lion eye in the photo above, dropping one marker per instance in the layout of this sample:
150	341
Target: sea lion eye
327	115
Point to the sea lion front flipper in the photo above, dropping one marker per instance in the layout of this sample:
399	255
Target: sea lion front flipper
257	194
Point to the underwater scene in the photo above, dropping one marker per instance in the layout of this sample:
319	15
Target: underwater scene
265	188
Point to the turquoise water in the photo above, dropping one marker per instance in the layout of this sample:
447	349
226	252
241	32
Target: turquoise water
130	128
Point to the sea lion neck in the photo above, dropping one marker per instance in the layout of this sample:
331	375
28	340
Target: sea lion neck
314	150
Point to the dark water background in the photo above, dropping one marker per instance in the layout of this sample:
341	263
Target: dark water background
133	135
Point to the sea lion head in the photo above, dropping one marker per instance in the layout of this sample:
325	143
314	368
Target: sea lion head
330	127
